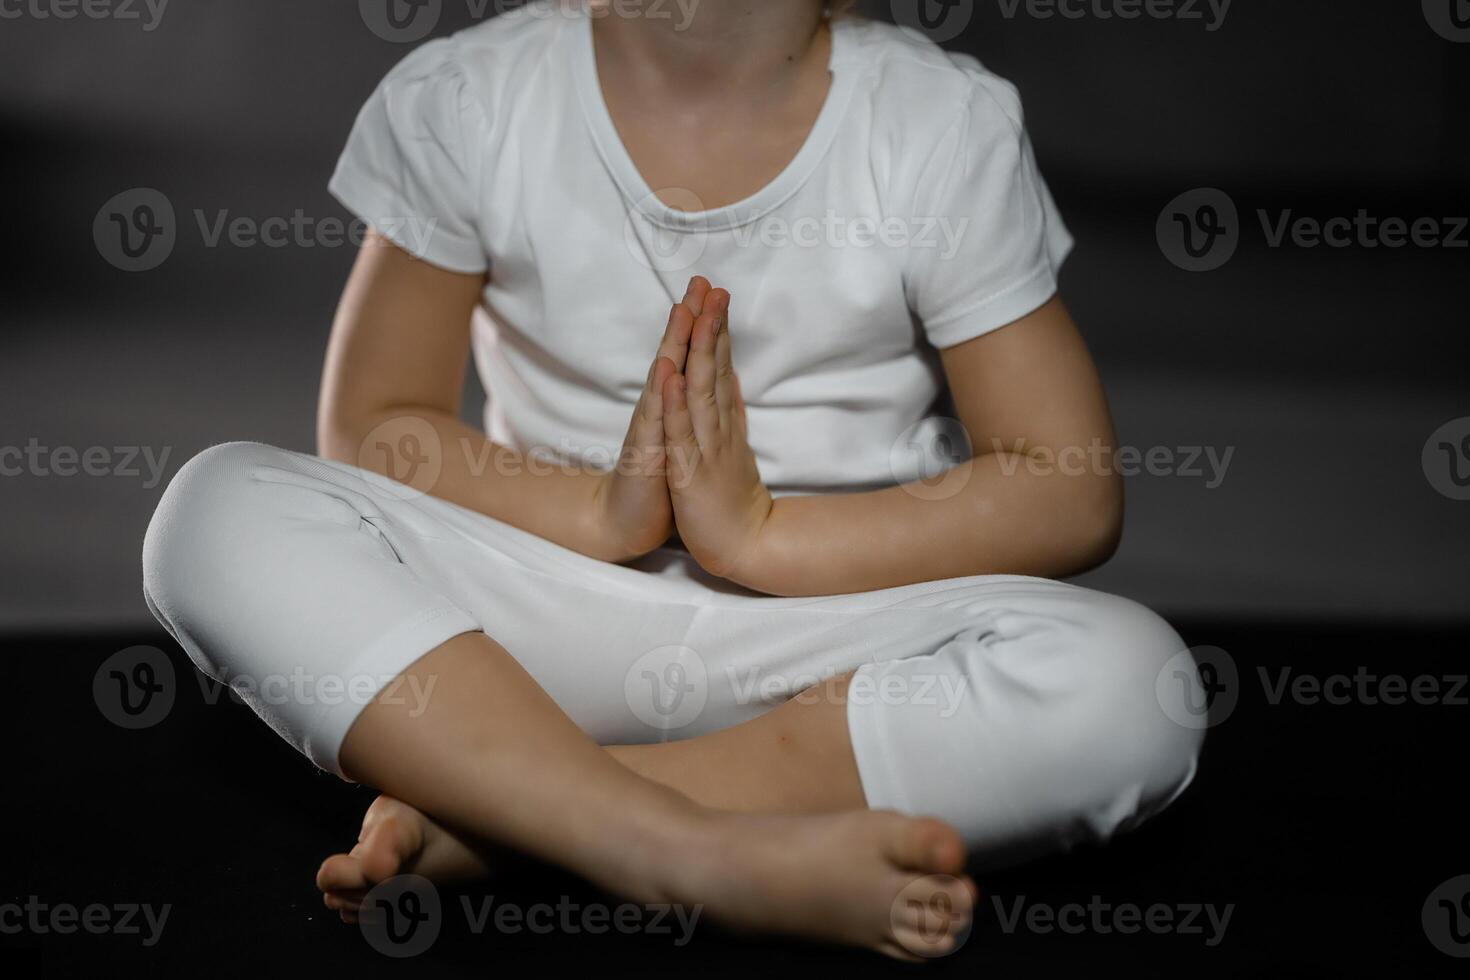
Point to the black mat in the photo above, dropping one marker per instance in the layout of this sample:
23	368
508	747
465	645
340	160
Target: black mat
1322	828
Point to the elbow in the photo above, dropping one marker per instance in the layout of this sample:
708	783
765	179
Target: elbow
1097	523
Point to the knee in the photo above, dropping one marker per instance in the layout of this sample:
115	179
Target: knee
1140	744
211	502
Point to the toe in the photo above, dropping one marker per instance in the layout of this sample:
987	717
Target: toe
926	845
382	848
343	901
341	873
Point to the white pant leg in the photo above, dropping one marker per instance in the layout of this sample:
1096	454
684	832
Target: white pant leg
1048	729
271	571
1022	711
1025	712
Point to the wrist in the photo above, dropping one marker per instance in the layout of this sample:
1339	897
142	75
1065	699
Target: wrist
599	537
620	522
758	565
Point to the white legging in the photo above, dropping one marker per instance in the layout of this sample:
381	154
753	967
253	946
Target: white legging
1025	712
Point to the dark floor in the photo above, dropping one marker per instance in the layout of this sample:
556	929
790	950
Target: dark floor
1325	826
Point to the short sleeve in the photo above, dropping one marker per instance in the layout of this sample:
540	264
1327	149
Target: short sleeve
1001	242
411	165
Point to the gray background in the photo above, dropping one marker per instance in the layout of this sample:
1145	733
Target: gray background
1326	370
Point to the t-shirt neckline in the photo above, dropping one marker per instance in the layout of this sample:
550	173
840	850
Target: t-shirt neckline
640	195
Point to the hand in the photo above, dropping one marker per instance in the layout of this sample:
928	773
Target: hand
720	504
631	507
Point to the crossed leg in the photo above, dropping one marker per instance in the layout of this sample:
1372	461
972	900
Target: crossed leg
495	759
266	564
794	759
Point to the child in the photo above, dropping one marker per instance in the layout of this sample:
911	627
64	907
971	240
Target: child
737	651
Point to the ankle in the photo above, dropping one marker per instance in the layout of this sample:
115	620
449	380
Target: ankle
667	859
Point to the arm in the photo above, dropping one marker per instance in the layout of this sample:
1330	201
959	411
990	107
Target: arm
1023	393
394	374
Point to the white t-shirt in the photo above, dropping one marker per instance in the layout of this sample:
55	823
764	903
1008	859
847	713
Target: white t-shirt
912	219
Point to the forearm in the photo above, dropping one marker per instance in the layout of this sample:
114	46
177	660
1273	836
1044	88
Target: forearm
435	453
993	515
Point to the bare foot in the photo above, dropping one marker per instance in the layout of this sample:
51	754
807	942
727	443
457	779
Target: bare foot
395	839
875	879
869	878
